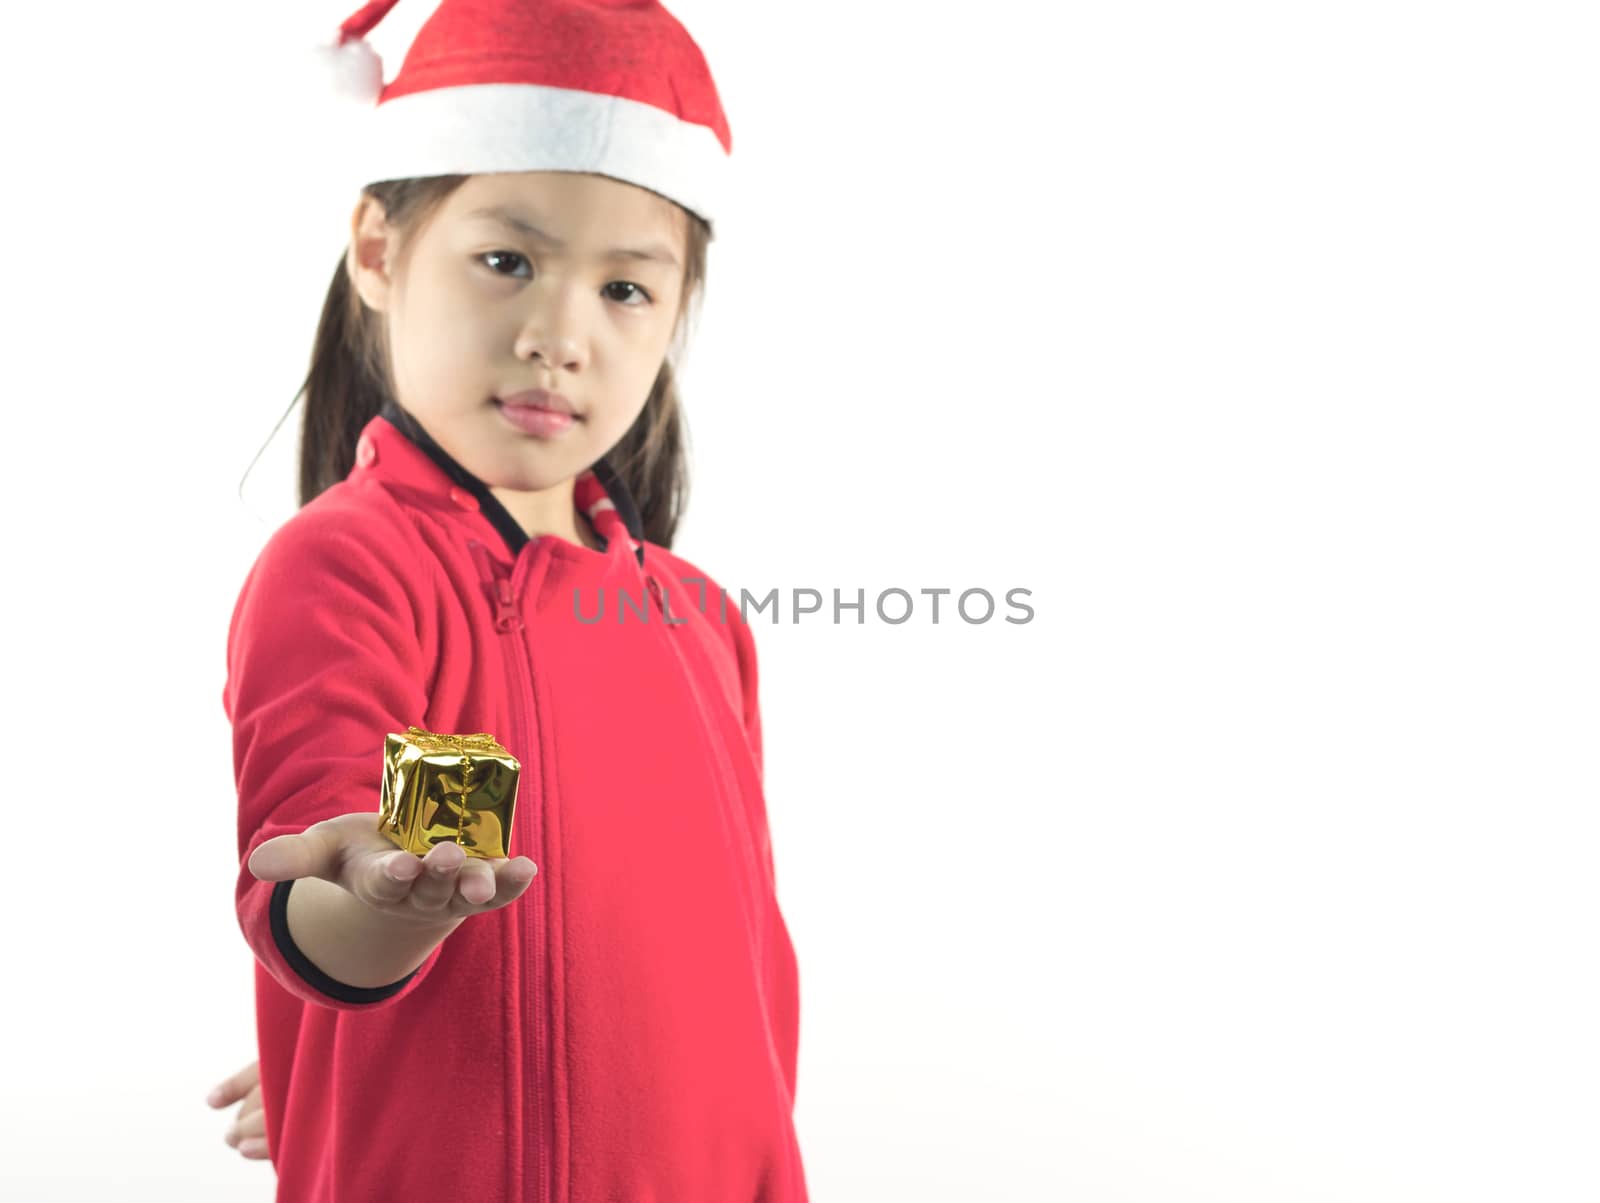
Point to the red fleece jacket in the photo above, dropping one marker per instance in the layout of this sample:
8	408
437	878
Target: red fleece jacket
628	1028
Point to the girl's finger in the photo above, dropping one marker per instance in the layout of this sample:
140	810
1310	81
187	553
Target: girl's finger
314	852
511	878
254	1124
252	1101
235	1086
437	884
389	878
254	1148
476	882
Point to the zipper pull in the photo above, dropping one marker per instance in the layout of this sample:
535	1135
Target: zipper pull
654	588
669	620
506	617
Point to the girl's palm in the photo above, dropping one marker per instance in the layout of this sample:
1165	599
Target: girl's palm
350	851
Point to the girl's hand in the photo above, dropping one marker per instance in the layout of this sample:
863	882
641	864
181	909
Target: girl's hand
249	1131
350	851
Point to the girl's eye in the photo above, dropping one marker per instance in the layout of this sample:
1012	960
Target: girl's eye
514	259
502	255
636	290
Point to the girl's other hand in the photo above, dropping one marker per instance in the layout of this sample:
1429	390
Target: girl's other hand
248	1132
444	886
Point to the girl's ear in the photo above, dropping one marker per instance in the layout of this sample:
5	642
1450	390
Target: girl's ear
369	255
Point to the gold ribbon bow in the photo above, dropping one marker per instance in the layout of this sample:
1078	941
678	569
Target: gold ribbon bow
434	741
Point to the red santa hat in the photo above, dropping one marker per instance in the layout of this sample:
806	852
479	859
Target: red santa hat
613	87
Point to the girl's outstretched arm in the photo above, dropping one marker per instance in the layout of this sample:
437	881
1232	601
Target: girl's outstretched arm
368	913
329	650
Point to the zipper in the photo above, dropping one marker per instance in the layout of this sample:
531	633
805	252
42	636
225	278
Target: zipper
506	616
509	623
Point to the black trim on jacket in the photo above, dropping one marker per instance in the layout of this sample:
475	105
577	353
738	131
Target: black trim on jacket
301	964
497	514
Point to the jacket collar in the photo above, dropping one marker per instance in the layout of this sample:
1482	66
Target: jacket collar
597	491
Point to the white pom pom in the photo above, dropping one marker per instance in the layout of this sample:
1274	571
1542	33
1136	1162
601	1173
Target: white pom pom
352	69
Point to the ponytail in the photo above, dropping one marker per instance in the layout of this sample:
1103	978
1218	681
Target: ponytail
341	392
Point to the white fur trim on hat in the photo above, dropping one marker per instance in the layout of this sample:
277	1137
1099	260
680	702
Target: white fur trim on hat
485	128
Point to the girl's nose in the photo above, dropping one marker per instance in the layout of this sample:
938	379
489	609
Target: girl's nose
557	348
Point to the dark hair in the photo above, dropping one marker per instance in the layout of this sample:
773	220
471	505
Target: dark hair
349	375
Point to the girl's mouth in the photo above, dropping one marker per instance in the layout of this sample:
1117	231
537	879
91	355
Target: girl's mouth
541	423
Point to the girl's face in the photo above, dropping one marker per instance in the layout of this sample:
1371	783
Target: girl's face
554	280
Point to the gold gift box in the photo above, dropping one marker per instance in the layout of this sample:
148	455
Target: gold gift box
448	789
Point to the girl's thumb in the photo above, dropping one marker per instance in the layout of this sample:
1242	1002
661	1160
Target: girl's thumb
313	852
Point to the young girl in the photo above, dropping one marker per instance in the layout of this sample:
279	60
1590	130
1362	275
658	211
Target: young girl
491	472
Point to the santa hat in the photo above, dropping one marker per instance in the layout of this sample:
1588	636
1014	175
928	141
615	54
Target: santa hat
613	87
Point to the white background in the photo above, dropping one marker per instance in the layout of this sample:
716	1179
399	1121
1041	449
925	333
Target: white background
1256	340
